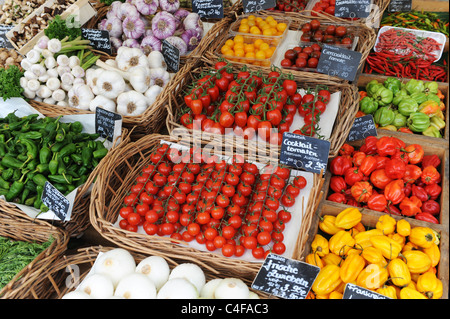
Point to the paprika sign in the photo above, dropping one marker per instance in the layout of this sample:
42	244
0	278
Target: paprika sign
362	127
285	278
304	152
355	292
56	201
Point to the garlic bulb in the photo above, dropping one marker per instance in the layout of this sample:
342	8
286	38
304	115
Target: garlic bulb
128	58
53	83
159	76
152	93
63	60
102	102
80	96
43	92
156	60
140	78
131	103
59	95
110	84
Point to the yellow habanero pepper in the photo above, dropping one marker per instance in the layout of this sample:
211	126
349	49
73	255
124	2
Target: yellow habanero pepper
410	293
341	242
320	245
327	280
398	238
331	259
348	218
335	295
418	262
386	224
327	225
388	291
373	276
430	285
434	253
423	237
374	256
399	272
351	267
409	246
389	248
314	259
403	227
362	239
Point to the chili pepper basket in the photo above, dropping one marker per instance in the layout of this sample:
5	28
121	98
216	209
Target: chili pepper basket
369	220
348	106
429	149
18	227
119	173
69	270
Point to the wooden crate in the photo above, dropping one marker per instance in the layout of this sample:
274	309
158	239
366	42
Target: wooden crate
445	89
369	219
429	149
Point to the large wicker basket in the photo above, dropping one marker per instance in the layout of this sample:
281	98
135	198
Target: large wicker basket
348	106
70	269
18	227
113	183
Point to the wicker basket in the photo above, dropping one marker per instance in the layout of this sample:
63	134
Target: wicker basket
348	107
113	183
69	270
17	226
369	219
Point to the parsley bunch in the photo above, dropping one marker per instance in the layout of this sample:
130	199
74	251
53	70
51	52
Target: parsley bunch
10	82
59	28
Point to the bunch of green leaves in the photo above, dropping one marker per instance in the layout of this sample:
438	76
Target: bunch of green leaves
10	82
15	255
59	28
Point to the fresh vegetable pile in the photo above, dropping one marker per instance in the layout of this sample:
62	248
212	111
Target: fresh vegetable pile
419	20
116	274
326	6
145	24
411	107
394	259
302	58
231	207
16	255
314	31
10	79
290	5
36	150
251	104
387	175
266	26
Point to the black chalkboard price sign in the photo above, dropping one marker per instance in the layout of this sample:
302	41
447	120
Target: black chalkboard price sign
105	123
208	9
352	8
56	201
4	41
340	62
257	5
356	292
100	39
362	127
285	278
304	152
171	56
400	6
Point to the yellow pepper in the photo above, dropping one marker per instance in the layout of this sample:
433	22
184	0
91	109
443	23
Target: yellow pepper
409	246
418	262
410	293
314	259
434	253
320	245
389	248
386	224
362	239
331	259
429	108
348	218
430	285
423	237
327	225
335	295
374	256
403	227
398	238
399	272
373	276
341	242
388	291
351	267
327	280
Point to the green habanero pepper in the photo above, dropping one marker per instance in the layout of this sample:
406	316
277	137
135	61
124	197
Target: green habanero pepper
420	97
384	116
383	96
408	106
433	97
413	86
399	96
418	122
437	122
372	87
399	120
393	84
432	132
368	105
431	87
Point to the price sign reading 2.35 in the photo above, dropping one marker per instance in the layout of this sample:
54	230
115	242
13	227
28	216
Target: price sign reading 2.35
258	5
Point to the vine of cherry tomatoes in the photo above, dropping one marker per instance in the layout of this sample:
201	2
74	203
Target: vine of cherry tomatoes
228	207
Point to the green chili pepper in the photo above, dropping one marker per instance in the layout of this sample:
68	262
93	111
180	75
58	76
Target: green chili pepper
15	189
42	168
45	155
60	187
33	135
76	158
4	184
60	135
29	201
67	150
76	127
32	150
7	174
61	179
100	153
37	203
24	196
86	156
3	150
40	179
53	164
3	191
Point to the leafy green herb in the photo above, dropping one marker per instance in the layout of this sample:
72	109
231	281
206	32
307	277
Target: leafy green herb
10	82
59	28
16	255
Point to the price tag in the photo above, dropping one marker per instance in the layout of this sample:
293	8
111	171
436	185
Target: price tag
304	152
340	62
285	278
362	127
257	5
100	39
4	41
56	201
352	8
209	9
106	124
400	6
356	292
171	56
